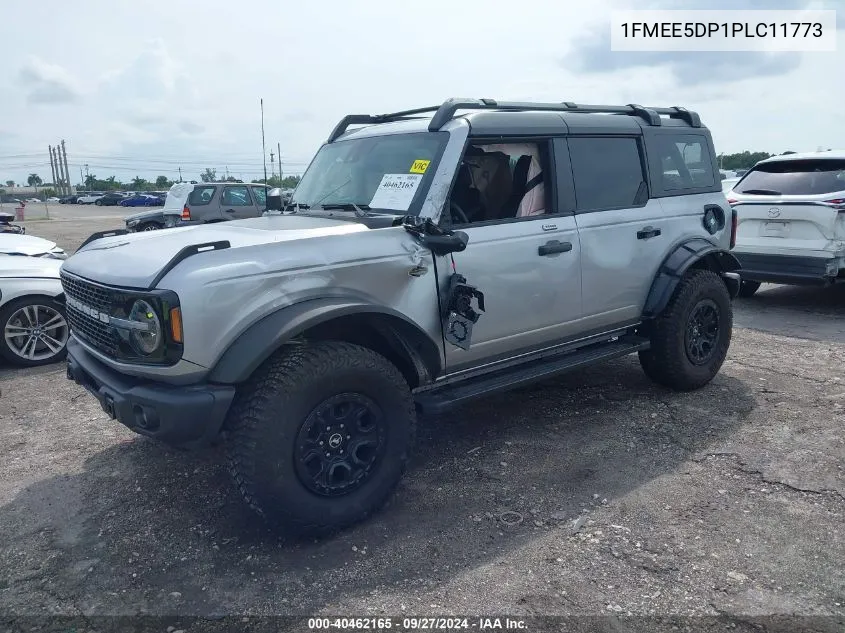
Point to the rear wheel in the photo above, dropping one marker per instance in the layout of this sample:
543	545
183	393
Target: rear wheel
320	435
149	226
690	339
748	288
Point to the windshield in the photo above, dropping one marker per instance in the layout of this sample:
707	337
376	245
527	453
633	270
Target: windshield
795	178
383	173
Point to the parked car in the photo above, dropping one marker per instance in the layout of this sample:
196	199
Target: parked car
52	199
33	320
69	199
110	199
89	198
791	214
145	221
6	225
29	245
141	200
423	262
199	203
32	200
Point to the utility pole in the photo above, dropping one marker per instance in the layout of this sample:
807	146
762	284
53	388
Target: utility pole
59	172
272	170
279	148
52	164
67	173
81	178
86	176
180	174
263	147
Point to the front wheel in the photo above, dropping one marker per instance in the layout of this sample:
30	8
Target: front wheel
690	339
320	435
34	331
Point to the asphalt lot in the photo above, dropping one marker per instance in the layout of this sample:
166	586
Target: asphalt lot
596	493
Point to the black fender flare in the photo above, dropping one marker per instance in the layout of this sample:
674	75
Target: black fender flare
676	265
261	339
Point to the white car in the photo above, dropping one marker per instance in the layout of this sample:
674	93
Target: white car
32	201
33	320
90	198
791	220
29	245
52	199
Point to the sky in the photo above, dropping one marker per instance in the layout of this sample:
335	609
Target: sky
144	88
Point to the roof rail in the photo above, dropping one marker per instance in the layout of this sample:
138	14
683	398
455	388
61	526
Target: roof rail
447	111
360	119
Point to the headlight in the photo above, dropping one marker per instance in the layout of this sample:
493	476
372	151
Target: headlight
145	340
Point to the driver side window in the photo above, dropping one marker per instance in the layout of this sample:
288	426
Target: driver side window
500	181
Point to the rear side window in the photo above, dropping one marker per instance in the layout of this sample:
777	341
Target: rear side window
795	178
200	196
608	173
685	162
260	194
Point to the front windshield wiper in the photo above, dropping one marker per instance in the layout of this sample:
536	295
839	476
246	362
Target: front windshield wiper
763	192
359	209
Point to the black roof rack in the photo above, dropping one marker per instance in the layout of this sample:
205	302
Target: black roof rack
447	110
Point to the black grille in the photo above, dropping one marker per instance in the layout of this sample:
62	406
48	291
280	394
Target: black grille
90	329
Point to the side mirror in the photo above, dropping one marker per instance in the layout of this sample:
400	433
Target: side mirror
454	242
274	200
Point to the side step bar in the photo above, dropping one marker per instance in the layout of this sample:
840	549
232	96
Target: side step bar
438	400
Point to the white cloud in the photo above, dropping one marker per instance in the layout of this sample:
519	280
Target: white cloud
47	83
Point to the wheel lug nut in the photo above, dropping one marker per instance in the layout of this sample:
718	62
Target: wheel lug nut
328	455
348	437
341	426
321	443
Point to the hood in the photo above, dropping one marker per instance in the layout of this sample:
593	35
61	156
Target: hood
134	260
178	196
29	267
11	243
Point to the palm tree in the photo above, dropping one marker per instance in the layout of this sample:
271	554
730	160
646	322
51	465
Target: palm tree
34	180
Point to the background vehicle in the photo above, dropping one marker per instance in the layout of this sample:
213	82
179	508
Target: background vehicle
69	199
145	221
6	225
52	199
424	262
110	199
29	245
141	200
33	326
89	198
200	203
32	201
791	213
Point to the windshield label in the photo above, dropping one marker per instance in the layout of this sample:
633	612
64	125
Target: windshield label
396	191
420	166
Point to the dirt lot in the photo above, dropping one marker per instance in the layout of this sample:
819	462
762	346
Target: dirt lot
596	493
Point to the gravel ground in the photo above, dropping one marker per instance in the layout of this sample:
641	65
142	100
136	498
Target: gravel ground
593	494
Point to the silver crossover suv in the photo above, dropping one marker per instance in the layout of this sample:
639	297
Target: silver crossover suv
427	258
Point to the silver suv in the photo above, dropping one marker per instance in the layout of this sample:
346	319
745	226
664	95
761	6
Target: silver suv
429	258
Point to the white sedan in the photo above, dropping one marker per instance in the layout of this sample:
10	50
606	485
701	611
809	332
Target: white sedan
89	199
29	245
33	320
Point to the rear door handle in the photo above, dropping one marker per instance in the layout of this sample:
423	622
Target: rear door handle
229	210
554	247
647	232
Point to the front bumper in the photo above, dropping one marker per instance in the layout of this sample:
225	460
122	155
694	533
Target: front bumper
788	269
185	416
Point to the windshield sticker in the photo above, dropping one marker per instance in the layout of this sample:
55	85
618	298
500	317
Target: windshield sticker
396	191
420	166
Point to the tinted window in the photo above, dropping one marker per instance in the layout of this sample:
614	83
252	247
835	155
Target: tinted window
795	178
236	197
260	194
200	196
685	162
608	173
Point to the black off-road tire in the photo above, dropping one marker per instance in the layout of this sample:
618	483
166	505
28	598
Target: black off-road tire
668	362
269	411
748	288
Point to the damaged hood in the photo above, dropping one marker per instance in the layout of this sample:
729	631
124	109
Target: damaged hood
15	244
134	260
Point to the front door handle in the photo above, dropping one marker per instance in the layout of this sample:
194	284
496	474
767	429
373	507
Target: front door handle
554	247
647	232
229	210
